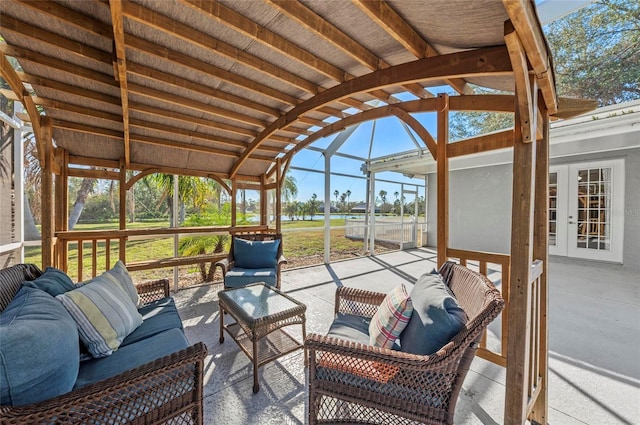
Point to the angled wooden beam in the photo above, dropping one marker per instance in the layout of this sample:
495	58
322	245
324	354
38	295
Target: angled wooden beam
120	70
523	88
525	21
485	61
422	132
388	19
308	18
11	77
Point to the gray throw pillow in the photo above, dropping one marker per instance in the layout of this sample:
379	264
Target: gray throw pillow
436	319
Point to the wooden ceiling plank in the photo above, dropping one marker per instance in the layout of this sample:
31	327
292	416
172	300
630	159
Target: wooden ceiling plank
321	27
73	90
211	71
270	39
522	87
58	64
121	71
525	21
68	107
190	35
232	19
9	94
196	105
388	19
481	62
190	147
88	129
69	16
179	82
56	41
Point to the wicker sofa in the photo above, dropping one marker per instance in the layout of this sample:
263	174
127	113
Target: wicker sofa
155	377
351	381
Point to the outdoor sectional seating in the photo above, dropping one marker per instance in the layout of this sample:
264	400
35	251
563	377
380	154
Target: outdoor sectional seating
351	381
154	376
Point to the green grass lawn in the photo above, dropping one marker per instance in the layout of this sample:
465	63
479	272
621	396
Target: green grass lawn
301	247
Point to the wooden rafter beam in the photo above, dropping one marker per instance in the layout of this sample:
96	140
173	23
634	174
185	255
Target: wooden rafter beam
388	19
485	61
525	21
274	41
11	77
120	71
320	26
523	88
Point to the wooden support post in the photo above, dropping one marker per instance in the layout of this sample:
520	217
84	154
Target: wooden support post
518	346
46	192
62	207
234	201
279	183
263	200
540	412
443	177
123	209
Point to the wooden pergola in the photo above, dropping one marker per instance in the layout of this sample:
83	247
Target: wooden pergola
233	90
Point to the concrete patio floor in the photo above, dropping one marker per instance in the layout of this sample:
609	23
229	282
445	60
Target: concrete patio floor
594	339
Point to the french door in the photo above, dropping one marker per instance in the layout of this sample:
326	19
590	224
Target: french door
586	210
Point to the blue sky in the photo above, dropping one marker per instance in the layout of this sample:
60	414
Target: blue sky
389	138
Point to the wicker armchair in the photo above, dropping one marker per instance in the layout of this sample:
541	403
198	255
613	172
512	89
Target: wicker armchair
234	276
354	383
164	391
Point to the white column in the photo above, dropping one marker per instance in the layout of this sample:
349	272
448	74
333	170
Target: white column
327	208
372	213
176	224
18	161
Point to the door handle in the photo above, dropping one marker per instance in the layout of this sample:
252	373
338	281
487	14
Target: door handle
572	222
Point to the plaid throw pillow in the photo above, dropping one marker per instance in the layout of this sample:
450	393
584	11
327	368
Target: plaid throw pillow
391	318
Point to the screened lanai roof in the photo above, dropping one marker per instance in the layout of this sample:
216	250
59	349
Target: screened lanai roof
227	87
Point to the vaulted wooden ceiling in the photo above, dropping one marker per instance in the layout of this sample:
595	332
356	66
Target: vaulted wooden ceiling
225	87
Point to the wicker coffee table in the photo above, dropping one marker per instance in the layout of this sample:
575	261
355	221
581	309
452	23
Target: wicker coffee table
261	311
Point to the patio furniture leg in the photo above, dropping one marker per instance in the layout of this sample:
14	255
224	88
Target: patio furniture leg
221	325
256	386
304	338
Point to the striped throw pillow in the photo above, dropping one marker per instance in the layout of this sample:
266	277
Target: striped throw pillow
104	314
391	318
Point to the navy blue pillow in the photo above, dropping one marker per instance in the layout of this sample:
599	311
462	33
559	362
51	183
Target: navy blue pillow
436	319
255	254
39	350
53	281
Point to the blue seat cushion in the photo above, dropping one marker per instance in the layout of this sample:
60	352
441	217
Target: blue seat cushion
351	328
436	319
131	356
157	317
255	254
238	277
39	349
52	281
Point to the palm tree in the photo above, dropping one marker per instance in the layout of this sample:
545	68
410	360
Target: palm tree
313	205
190	190
198	245
289	188
383	197
336	193
348	193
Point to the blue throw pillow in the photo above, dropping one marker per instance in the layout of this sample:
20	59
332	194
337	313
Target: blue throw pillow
39	350
436	319
255	254
52	281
